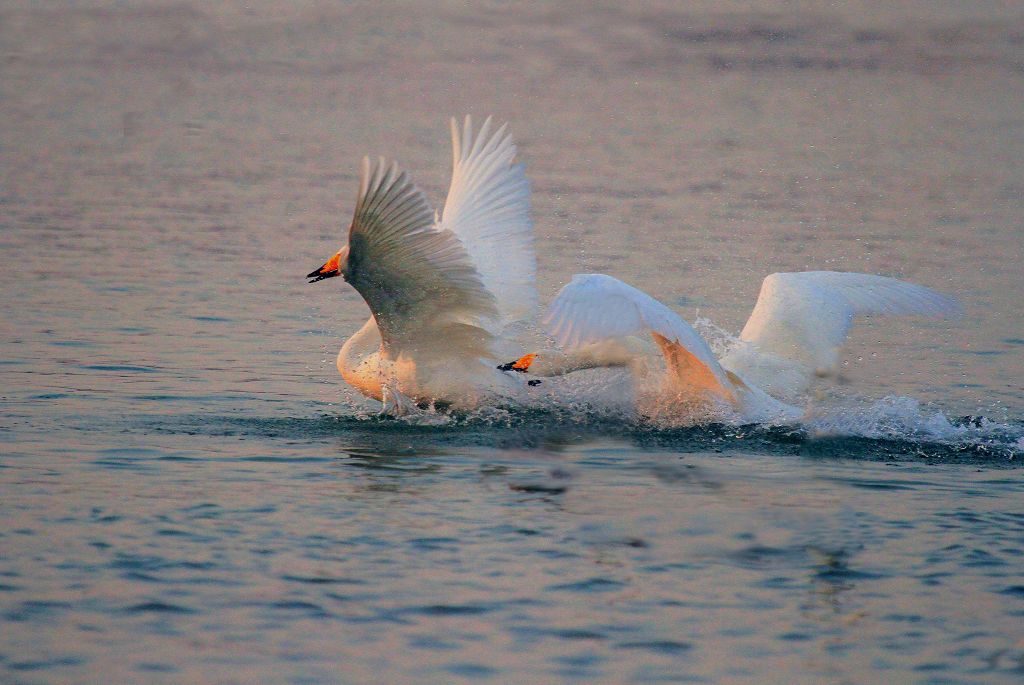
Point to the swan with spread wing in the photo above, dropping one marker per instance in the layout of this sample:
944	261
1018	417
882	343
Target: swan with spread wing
794	334
441	290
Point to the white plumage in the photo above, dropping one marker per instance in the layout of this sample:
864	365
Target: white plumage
596	307
441	292
801	320
796	329
488	208
416	278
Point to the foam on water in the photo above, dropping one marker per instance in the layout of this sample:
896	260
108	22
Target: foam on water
888	429
602	401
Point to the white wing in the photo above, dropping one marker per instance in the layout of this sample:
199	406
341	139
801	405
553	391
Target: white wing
804	318
594	307
418	280
488	208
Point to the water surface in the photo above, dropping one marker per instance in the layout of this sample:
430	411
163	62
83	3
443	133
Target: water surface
189	493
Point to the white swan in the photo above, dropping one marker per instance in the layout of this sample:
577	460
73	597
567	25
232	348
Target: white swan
444	291
798	324
441	290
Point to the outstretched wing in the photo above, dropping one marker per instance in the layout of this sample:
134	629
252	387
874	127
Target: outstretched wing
805	317
488	208
417	280
594	307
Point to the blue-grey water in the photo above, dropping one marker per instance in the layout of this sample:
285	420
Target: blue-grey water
189	494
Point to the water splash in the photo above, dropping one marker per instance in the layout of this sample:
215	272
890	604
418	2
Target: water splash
603	403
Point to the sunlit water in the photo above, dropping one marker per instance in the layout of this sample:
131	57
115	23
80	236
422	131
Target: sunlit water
189	494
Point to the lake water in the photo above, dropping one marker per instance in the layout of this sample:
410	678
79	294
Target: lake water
189	493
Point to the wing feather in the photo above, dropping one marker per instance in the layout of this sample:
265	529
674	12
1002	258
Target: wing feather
418	280
488	208
801	320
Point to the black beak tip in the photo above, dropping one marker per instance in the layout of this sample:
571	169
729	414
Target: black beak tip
320	275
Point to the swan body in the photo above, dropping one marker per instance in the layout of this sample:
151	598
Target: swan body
794	333
442	290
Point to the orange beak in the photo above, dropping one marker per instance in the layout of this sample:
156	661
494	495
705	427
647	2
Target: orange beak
328	270
521	365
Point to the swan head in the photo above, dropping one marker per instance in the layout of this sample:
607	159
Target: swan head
332	267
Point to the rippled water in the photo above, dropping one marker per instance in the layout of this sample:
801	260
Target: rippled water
189	494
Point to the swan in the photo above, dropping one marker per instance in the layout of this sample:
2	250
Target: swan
794	334
445	291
